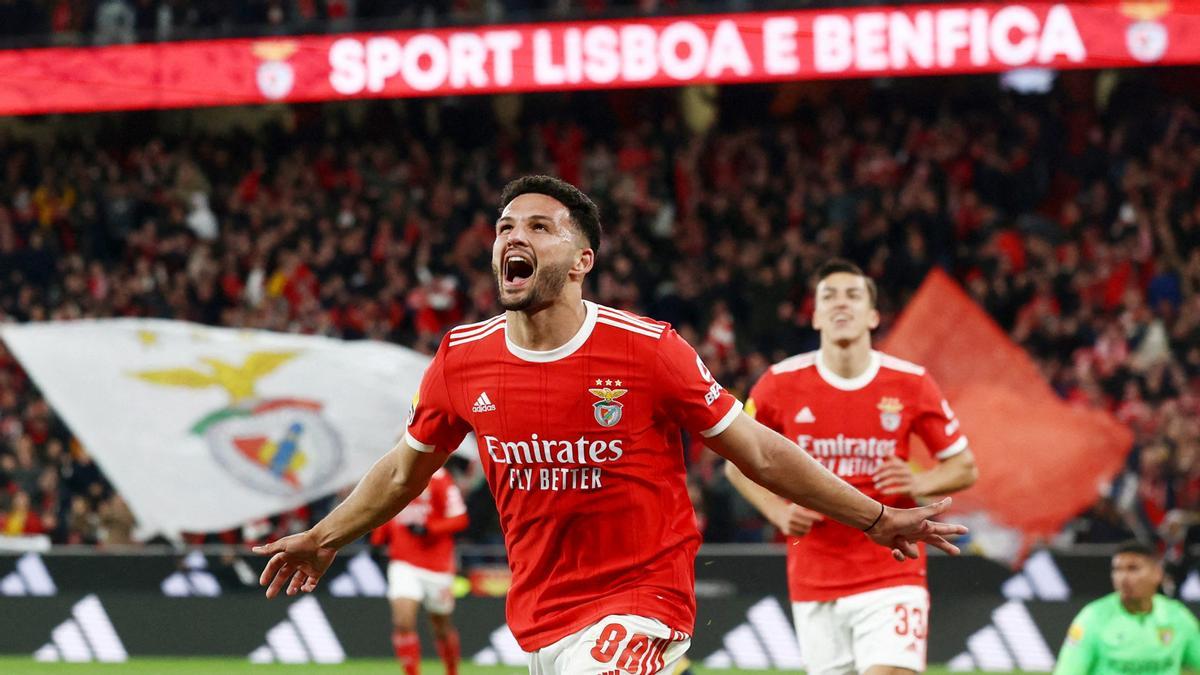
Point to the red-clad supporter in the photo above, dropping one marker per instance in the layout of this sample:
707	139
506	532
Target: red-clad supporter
20	517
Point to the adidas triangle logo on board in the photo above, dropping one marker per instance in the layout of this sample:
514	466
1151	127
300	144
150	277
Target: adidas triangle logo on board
1039	579
194	580
87	636
362	578
504	650
766	640
304	637
1011	642
1190	590
30	578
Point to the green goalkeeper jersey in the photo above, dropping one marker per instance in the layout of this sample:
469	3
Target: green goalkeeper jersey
1106	639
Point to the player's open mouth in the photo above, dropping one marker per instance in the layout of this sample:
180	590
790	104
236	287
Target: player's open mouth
518	270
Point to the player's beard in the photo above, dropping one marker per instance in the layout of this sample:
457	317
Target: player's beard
549	280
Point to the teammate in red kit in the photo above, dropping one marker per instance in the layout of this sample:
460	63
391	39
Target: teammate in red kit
577	410
853	409
420	541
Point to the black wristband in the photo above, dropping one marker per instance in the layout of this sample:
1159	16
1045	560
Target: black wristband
876	521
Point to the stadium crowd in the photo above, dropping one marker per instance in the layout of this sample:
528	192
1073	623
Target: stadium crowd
1073	221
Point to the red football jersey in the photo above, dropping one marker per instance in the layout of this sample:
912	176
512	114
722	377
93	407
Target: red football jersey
581	446
434	551
850	426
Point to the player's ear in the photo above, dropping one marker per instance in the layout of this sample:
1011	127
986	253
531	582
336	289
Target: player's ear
585	259
873	319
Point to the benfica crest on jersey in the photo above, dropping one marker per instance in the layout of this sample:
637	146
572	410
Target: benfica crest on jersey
608	409
1166	635
889	413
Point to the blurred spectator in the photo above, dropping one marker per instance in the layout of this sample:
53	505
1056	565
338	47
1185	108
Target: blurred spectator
81	525
116	522
20	517
116	22
24	471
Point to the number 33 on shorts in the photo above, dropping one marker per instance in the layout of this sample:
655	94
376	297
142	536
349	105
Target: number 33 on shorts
910	620
616	645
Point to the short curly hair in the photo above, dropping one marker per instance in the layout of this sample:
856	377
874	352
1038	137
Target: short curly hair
584	212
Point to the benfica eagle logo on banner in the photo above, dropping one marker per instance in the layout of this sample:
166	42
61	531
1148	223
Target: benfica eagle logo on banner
275	76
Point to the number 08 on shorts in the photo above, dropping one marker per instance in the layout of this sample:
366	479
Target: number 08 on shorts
617	645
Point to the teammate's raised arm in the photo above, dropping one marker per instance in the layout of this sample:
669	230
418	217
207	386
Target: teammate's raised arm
783	468
298	561
790	519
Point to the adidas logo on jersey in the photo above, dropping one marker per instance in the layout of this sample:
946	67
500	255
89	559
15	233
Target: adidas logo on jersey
483	404
805	416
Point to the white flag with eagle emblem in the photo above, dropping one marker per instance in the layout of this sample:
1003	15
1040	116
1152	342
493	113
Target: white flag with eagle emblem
203	429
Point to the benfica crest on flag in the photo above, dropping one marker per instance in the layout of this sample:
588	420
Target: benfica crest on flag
280	445
202	429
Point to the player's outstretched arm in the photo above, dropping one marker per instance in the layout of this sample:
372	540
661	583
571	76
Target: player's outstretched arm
298	561
782	467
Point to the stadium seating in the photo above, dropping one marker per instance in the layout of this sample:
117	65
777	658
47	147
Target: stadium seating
1070	219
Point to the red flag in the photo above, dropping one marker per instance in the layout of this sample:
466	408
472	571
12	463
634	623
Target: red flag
1041	461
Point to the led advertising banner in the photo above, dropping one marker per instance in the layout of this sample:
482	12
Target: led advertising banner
661	51
81	608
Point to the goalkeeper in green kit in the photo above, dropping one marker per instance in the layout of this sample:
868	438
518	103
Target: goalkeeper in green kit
1134	630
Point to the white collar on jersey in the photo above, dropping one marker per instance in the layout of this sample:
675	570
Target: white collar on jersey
849	383
563	351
